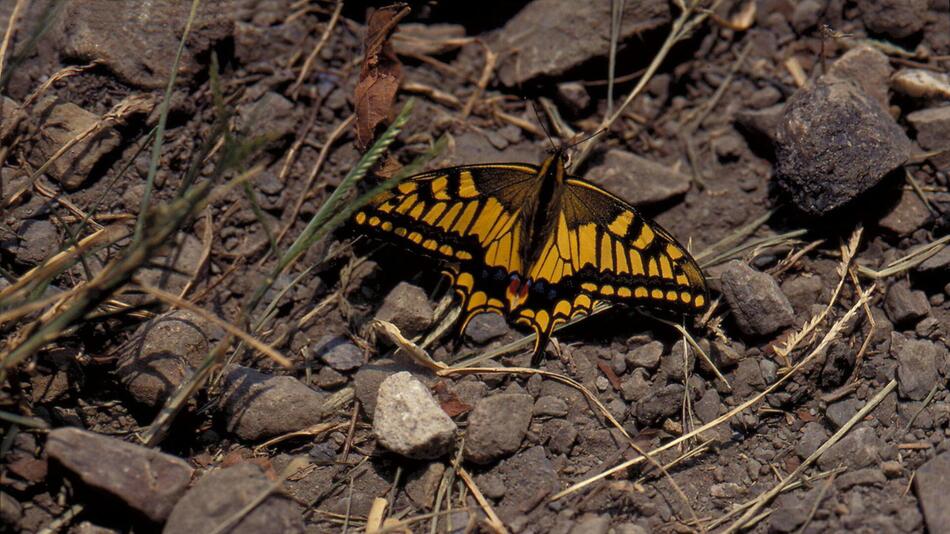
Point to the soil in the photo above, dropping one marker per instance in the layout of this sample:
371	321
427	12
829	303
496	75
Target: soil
716	160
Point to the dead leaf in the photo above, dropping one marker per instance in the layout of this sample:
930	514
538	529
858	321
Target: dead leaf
449	401
380	74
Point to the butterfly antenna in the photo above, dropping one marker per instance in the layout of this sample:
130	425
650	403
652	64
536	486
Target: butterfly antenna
588	138
543	127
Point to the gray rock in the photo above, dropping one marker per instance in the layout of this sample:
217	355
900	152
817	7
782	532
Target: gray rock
916	368
707	407
163	353
638	180
271	115
761	124
813	436
630	528
930	484
932	126
893	18
548	37
748	378
550	406
492	485
869	68
259	405
529	476
725	490
222	493
138	42
860	448
38	240
10	511
790	512
497	426
909	214
407	307
806	15
939	262
560	435
802	291
591	524
660	403
327	378
61	122
905	306
366	381
11	115
758	304
869	476
421	485
339	353
646	356
409	421
841	412
149	481
834	143
485	327
724	356
636	386
574	96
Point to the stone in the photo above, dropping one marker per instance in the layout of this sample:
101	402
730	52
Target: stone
224	493
591	524
37	241
421	485
930	485
724	356
758	304
11	115
842	411
59	123
636	386
916	368
146	480
367	380
271	115
802	291
790	512
806	15
922	84
328	378
728	147
660	403
939	262
893	18
547	38
869	476
485	327
637	180
760	126
707	407
574	96
258	405
859	448
550	406
138	42
162	354
339	353
905	306
834	143
407	307
10	511
560	436
646	356
813	436
529	476
497	426
932	126
725	490
909	214
869	68
747	378
408	421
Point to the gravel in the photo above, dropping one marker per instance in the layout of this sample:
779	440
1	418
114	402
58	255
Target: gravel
258	405
497	426
757	303
409	421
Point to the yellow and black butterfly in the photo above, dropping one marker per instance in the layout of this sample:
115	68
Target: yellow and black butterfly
536	245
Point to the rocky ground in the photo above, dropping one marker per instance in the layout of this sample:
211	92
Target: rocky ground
800	148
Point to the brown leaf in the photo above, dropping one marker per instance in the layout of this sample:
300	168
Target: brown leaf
449	401
380	74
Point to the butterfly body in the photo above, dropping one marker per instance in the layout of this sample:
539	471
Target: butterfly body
535	244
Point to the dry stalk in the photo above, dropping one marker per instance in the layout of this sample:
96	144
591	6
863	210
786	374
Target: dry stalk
911	260
14	16
308	63
491	59
493	521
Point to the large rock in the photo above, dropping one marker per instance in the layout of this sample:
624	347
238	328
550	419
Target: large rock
407	307
869	68
138	41
222	494
909	214
259	405
549	37
637	180
893	18
930	484
905	306
408	420
932	126
60	123
916	367
497	426
758	304
145	479
834	143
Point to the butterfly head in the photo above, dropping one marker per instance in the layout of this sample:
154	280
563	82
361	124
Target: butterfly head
553	167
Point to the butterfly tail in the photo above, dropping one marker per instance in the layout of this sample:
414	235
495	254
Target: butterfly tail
540	343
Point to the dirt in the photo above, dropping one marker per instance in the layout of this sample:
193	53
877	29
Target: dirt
707	149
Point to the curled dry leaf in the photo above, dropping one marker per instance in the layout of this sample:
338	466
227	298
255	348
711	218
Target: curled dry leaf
380	74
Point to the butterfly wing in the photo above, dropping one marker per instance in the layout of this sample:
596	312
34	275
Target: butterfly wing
470	215
601	249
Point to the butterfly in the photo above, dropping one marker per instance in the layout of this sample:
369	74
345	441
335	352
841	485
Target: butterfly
536	245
